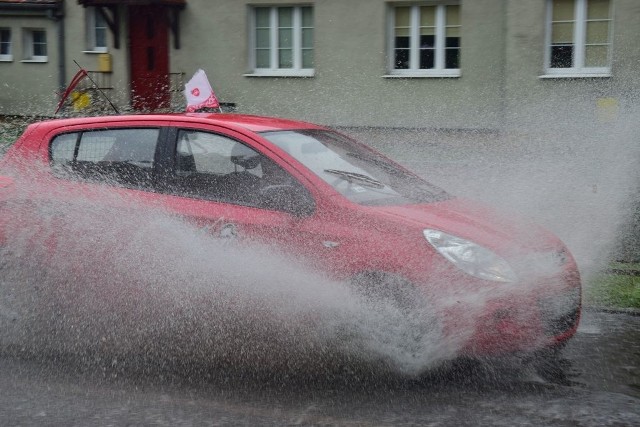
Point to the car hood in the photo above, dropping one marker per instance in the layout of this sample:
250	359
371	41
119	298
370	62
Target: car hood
476	222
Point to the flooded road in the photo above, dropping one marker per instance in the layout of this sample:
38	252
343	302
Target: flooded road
602	364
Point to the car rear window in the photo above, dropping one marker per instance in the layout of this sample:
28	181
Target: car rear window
116	156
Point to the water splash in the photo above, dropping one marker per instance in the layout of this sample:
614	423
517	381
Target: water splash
577	175
108	280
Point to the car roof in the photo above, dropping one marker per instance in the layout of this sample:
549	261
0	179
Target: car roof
236	121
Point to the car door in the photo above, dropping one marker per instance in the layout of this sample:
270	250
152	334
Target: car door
218	181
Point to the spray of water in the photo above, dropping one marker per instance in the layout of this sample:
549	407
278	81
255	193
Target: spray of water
577	175
110	279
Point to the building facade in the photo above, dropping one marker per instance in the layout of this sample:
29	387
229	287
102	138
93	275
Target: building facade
454	64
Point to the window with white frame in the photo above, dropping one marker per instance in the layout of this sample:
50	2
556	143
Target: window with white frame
425	40
282	41
5	45
579	37
35	45
96	28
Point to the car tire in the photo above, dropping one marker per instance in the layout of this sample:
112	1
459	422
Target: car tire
410	327
551	366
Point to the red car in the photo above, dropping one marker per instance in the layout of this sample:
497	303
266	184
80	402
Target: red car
499	284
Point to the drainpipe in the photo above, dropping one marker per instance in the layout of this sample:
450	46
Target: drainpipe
57	15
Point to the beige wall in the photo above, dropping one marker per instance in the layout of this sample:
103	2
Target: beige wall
348	87
29	87
77	51
503	44
561	103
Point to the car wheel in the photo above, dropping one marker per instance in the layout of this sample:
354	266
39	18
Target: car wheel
405	325
551	366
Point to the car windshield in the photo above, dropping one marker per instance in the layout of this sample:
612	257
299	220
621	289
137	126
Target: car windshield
358	173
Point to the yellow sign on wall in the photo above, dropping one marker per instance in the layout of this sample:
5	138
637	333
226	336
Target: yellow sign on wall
104	63
607	109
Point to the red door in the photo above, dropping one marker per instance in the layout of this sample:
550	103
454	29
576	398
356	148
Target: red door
149	41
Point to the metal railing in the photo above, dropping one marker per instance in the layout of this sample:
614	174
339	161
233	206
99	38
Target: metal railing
102	80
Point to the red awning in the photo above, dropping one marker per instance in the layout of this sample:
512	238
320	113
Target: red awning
181	3
31	3
112	17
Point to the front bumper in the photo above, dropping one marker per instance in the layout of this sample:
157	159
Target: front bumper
517	322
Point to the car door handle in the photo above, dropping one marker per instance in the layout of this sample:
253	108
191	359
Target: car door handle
330	244
221	229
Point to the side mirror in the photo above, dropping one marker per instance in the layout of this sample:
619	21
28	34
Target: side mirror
288	198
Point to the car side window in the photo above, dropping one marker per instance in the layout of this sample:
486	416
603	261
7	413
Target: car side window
214	154
123	157
215	167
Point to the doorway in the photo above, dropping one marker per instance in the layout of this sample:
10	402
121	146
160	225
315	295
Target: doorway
149	50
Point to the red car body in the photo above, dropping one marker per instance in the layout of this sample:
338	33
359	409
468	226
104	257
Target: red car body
534	307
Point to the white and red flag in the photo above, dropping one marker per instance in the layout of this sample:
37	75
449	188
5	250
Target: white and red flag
199	93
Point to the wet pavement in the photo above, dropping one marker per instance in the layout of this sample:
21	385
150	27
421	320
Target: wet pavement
602	388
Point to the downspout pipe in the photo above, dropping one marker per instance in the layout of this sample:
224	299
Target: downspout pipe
58	15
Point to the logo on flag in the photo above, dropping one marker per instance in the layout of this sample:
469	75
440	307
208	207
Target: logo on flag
199	93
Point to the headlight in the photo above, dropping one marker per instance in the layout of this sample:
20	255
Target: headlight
470	257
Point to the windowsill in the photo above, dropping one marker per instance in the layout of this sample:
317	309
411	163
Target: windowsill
575	75
422	75
6	58
95	51
43	60
282	73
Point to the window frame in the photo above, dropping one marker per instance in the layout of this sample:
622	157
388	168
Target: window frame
274	70
91	31
441	26
579	44
6	57
29	43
